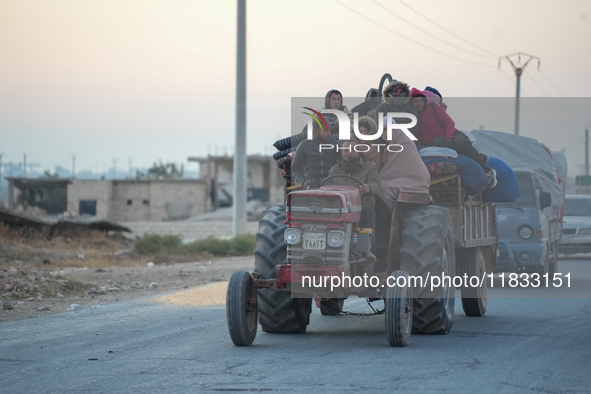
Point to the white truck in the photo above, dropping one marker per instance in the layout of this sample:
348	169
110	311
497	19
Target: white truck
530	228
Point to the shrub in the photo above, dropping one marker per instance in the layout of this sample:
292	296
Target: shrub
157	244
215	246
242	245
154	243
171	243
238	246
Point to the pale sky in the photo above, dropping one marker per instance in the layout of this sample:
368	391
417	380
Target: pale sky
151	80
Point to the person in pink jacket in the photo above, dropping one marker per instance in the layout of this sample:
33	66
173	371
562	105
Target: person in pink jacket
436	128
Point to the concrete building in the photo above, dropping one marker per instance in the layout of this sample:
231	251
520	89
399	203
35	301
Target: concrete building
264	182
116	200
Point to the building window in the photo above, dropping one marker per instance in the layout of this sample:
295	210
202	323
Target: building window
129	202
87	207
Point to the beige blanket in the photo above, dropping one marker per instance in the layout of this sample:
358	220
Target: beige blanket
402	171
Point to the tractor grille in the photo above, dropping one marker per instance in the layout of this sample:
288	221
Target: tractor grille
296	254
302	207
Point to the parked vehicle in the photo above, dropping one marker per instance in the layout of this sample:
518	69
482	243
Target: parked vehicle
528	235
531	227
576	229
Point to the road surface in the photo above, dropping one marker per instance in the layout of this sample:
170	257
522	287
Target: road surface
521	345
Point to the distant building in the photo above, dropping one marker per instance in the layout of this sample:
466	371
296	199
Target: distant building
264	181
117	200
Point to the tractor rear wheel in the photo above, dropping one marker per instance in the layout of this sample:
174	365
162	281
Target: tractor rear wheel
428	251
278	311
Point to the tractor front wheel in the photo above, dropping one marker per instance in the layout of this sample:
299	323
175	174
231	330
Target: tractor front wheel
241	309
398	309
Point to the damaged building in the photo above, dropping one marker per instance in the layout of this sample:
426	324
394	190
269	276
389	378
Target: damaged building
136	200
264	182
127	200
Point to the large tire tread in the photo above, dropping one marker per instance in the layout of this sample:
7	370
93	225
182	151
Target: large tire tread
278	311
426	233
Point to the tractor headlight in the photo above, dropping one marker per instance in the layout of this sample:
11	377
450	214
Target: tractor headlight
336	238
292	236
526	232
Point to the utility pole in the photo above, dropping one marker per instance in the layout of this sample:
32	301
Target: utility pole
114	168
586	150
1	175
240	162
73	166
518	67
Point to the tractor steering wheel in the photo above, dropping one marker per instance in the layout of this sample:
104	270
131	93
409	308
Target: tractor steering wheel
328	178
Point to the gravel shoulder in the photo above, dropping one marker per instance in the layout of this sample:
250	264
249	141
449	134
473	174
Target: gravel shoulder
83	287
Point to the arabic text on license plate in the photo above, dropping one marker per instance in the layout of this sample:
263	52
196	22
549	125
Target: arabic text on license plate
314	241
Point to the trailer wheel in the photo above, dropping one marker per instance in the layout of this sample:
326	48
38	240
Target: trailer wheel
332	306
398	306
278	312
427	250
474	299
241	309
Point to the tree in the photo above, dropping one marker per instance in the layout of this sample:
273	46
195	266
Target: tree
163	171
48	175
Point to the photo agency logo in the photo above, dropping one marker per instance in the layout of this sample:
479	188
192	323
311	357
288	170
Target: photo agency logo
344	129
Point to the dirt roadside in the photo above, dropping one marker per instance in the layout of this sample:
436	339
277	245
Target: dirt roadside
40	275
105	285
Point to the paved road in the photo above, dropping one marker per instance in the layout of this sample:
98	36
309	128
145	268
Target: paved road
521	345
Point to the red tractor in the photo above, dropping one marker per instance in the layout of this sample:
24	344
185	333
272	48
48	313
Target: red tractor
317	236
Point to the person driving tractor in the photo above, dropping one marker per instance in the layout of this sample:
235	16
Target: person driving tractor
354	164
316	161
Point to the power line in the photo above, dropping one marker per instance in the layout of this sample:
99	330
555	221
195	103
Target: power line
551	83
410	39
549	96
535	102
449	31
432	35
558	90
546	111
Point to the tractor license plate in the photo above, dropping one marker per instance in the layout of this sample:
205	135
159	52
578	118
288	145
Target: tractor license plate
314	241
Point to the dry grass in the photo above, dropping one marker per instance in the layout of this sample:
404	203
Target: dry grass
91	248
